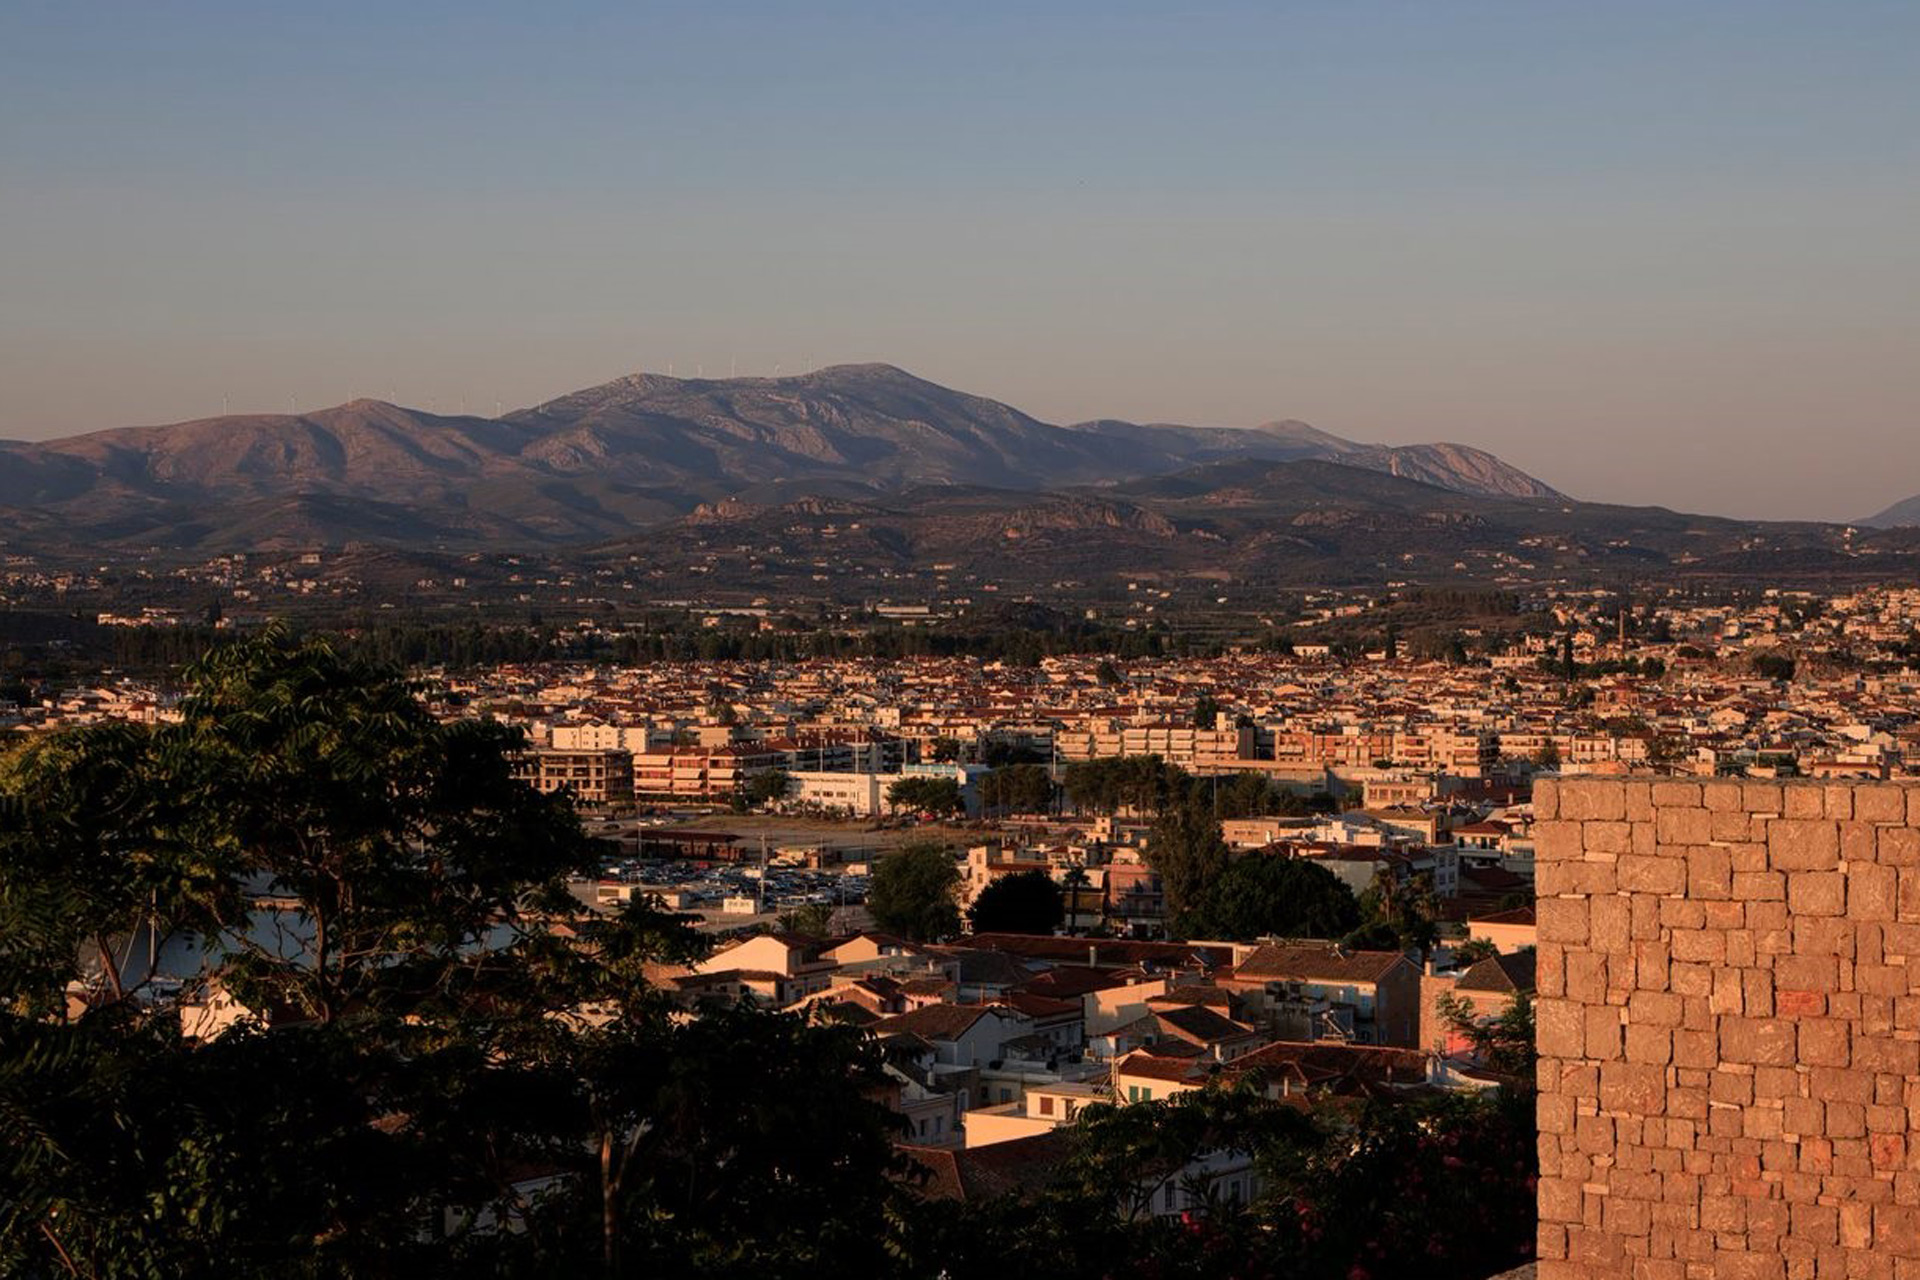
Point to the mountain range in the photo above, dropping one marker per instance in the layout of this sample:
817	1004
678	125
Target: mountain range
863	478
1250	523
629	454
1900	515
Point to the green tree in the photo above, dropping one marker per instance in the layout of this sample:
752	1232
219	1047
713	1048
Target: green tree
1206	710
1473	951
1186	851
810	920
1666	749
398	835
1504	1042
1017	788
767	787
1404	904
912	892
1258	895
938	796
432	1033
1073	885
1135	784
1026	902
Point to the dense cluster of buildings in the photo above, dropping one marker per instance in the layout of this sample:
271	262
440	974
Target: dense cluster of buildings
1690	692
1002	1038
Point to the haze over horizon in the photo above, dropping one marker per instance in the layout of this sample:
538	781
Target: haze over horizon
1648	253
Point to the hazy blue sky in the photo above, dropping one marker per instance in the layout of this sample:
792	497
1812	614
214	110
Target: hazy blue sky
1653	252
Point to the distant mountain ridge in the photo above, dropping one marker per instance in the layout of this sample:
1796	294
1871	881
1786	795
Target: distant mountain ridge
600	462
1900	515
1292	523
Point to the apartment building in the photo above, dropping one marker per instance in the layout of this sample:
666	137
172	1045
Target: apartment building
594	777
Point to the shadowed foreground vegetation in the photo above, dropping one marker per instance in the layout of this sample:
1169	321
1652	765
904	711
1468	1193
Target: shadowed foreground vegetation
464	1075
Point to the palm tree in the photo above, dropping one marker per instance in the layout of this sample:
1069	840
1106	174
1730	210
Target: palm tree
1073	881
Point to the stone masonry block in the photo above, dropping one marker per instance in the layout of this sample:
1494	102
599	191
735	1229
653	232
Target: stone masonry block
1871	891
1590	800
1709	872
1762	798
1655	874
1796	845
1757	1040
1816	893
1558	842
1562	920
1806	801
1899	846
1682	826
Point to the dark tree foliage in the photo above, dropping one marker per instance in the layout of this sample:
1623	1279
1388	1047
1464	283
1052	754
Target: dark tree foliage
1428	1190
456	1071
1017	788
1027	902
1473	951
1401	906
1131	784
1287	897
1147	785
1187	852
1247	795
912	892
1504	1042
1374	935
441	1059
766	787
810	920
939	796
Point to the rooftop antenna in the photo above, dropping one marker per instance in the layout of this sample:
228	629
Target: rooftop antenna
776	369
699	370
496	406
733	366
669	368
226	403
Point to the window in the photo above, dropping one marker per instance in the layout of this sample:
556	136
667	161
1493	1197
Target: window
1172	1191
1046	1105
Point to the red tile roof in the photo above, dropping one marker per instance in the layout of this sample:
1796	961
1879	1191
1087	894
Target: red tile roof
1013	1167
1316	963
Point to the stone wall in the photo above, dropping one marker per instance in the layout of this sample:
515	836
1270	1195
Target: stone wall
1729	1030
